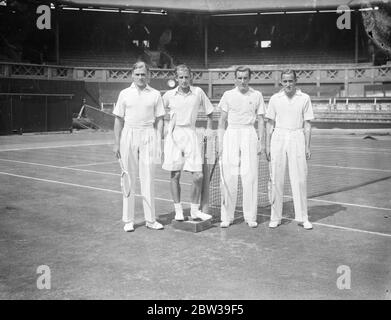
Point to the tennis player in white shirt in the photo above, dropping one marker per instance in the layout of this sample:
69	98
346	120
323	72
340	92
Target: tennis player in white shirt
182	150
239	146
288	140
138	129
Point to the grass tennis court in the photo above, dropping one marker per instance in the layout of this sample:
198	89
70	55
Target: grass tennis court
60	206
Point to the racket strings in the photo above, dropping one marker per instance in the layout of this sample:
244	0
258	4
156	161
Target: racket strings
125	180
125	184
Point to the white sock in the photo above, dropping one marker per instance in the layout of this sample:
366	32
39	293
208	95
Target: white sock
178	208
194	208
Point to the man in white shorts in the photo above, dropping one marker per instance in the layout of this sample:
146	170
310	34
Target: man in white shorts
182	150
239	147
288	137
138	129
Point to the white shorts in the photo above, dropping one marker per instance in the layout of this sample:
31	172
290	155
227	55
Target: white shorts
184	153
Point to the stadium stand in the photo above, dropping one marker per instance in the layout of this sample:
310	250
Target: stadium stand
333	65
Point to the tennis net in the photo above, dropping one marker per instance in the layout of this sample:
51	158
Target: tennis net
328	173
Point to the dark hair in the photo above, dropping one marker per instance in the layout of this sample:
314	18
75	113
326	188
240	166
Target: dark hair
182	67
140	64
243	69
289	71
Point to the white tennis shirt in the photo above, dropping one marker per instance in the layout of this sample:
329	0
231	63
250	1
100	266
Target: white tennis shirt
186	106
139	107
242	108
290	113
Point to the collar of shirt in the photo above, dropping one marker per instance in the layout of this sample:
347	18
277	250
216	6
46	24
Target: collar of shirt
147	87
282	92
191	91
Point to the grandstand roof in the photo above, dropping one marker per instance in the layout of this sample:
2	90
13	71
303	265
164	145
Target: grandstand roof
220	6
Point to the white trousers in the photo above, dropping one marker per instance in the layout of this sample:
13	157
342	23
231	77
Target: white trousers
138	153
289	145
239	157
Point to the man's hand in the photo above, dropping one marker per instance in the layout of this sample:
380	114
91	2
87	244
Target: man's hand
267	153
308	154
260	147
116	151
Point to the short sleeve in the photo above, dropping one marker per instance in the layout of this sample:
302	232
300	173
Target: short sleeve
308	113
223	104
271	109
119	109
206	104
159	107
261	105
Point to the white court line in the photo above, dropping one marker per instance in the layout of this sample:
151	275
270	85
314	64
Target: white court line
81	170
184	183
187	203
351	168
60	167
349	204
60	146
78	185
351	150
325	146
89	164
336	227
344	203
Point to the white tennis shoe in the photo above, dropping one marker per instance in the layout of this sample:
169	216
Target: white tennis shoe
225	224
307	225
200	215
179	216
129	227
252	224
154	225
274	224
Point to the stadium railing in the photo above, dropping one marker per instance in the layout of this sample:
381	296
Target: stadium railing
211	78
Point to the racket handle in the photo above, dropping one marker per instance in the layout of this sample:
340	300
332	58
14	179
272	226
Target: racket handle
204	205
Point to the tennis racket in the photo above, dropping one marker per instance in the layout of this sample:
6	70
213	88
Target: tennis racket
207	154
224	191
270	185
125	180
218	161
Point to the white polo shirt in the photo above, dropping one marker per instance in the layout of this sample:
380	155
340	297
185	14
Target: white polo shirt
186	106
242	108
290	113
139	107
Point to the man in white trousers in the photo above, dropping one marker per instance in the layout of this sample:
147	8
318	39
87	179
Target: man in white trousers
239	146
182	150
138	129
288	138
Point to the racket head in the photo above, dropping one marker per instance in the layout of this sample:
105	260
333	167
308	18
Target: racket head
125	180
125	184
